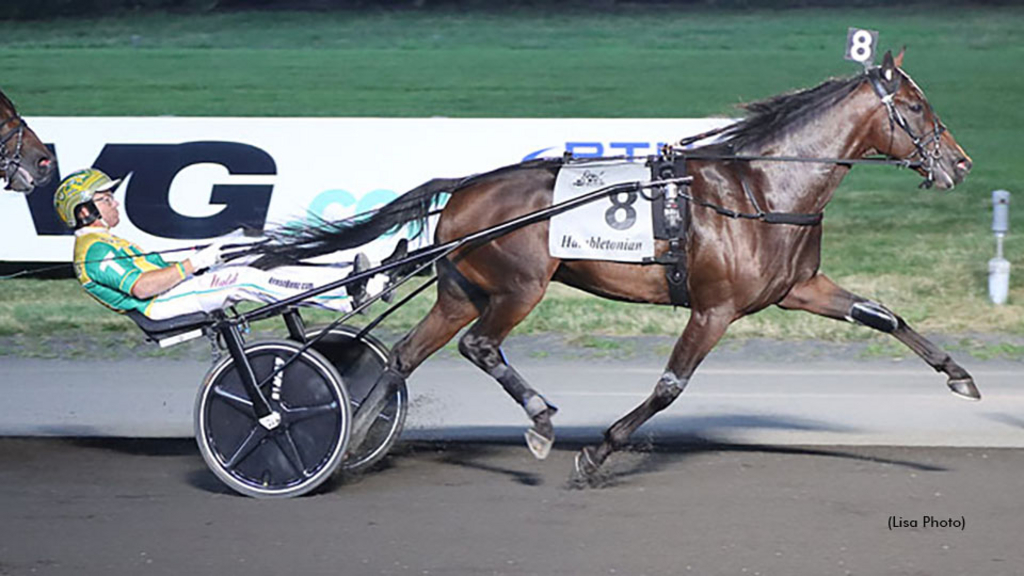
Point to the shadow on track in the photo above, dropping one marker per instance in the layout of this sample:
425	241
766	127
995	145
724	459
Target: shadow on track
466	456
139	446
1008	419
636	460
645	458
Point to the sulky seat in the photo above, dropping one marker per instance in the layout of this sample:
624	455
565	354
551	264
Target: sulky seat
171	331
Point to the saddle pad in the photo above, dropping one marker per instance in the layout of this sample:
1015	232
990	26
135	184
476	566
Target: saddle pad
617	228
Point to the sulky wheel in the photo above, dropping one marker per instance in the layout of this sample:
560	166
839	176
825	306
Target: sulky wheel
360	361
302	451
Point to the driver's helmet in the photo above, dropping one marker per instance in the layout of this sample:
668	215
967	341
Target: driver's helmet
78	189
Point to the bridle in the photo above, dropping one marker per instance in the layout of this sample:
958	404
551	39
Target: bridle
928	158
11	162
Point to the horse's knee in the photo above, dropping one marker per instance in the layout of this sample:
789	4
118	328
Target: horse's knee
668	389
874	315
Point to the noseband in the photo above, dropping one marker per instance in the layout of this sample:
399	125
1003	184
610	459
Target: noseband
928	159
11	162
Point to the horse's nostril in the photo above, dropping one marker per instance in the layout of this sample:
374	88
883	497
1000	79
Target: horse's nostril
964	165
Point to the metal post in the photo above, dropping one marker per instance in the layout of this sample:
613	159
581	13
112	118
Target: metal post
233	341
999	267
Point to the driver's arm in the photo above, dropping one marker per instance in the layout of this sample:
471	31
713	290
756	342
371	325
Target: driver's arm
156	282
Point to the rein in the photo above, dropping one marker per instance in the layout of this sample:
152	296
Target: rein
231	252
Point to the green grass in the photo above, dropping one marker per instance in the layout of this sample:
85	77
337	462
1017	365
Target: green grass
922	252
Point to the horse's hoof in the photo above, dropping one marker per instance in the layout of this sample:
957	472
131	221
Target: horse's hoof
964	388
538	444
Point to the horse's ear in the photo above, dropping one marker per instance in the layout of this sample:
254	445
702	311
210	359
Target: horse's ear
899	57
888	67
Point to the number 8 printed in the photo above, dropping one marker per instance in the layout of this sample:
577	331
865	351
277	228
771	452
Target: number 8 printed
610	215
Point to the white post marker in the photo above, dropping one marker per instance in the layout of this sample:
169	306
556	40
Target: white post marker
999	267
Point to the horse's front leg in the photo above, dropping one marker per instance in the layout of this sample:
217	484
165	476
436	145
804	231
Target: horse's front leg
822	296
702	332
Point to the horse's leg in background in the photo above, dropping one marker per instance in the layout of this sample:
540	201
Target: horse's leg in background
822	296
452	310
481	344
702	332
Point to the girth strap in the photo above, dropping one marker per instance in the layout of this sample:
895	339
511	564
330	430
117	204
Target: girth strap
672	223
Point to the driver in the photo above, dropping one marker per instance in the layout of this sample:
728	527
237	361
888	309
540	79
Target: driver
123	277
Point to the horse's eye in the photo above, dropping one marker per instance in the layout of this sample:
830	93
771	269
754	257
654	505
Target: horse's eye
916	108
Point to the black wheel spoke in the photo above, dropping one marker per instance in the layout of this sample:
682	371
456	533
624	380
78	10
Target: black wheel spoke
294	415
256	435
291	451
242	405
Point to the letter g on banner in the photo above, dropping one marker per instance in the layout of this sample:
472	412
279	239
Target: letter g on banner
153	168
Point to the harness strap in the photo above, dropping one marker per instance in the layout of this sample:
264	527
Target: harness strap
447	272
896	118
672	223
793	218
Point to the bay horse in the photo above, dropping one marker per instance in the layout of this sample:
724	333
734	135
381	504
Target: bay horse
25	162
737	266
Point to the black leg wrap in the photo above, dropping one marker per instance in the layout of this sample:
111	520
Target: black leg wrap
874	315
516	387
482	352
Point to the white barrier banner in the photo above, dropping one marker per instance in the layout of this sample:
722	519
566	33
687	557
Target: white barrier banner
191	179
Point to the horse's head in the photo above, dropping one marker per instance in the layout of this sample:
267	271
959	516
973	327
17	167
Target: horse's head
24	161
910	129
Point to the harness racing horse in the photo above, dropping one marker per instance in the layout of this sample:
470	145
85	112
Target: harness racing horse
24	161
737	266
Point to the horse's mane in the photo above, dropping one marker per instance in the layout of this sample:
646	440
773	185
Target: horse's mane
778	116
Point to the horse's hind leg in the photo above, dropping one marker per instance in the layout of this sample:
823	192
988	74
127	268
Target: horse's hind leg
452	310
481	344
702	332
822	296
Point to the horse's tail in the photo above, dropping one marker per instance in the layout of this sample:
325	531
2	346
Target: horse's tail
293	243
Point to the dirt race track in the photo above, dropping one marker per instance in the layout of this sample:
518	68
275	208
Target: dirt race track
764	467
91	506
